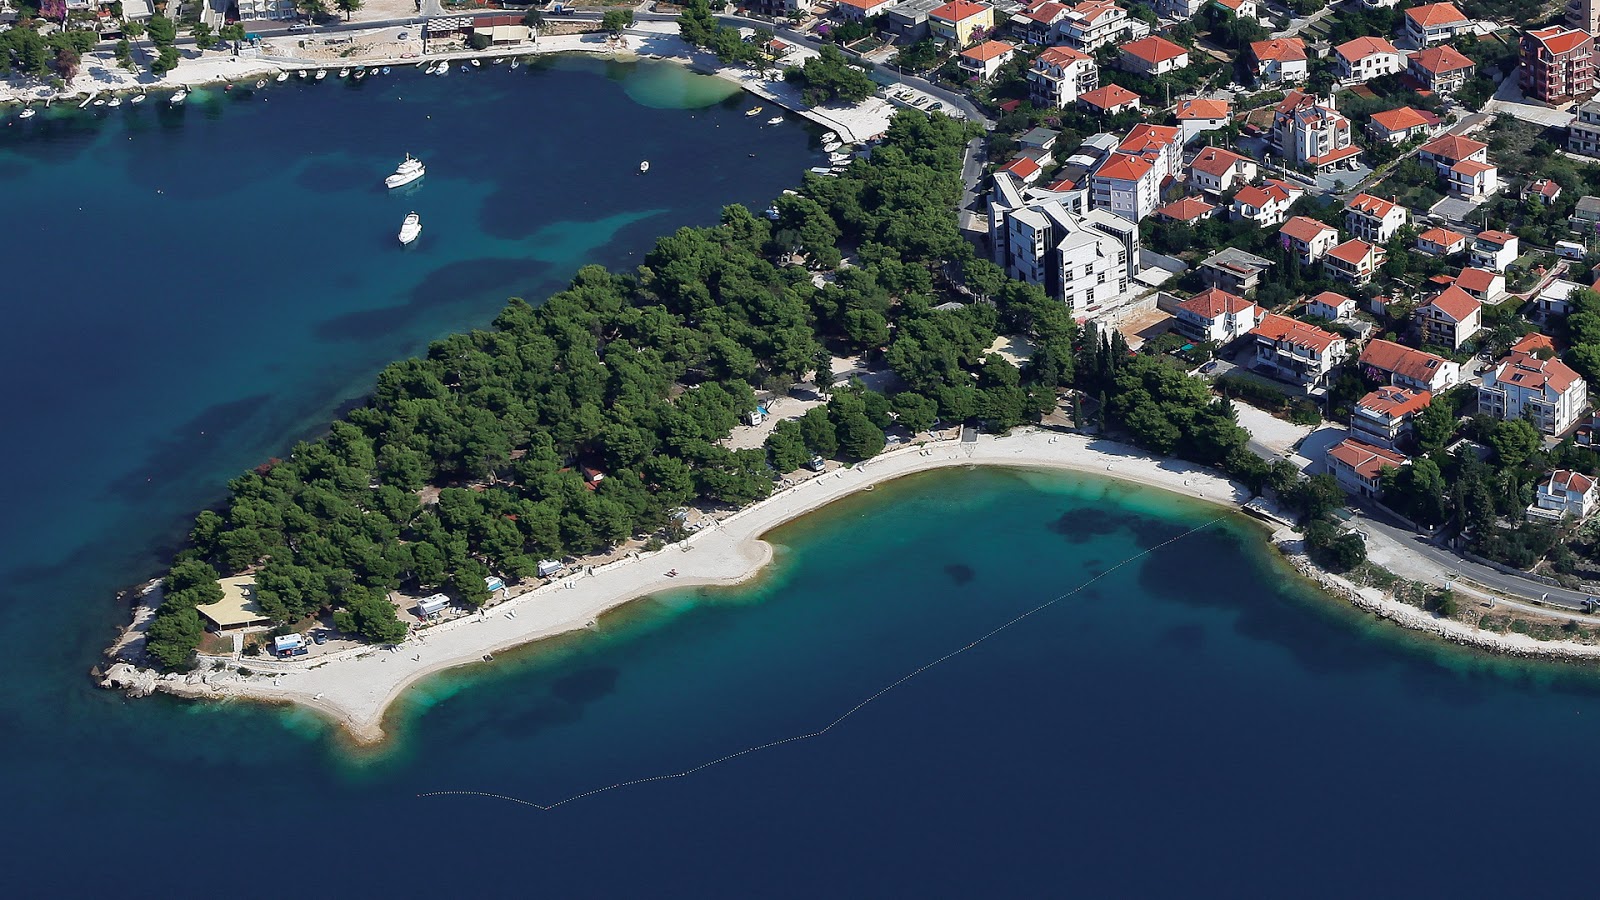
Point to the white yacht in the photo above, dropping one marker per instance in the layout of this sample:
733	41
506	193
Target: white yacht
321	74
344	72
282	77
261	84
28	112
775	120
137	98
301	73
644	167
410	228
408	171
179	97
114	101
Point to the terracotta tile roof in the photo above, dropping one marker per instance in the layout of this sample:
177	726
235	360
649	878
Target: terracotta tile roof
1061	56
1396	359
1455	303
1090	10
1568	480
863	4
1022	167
1329	298
1527	371
1153	49
1186	209
1125	168
1558	40
1334	156
1546	188
988	50
1280	50
1231	4
1499	238
958	10
1290	191
1453	146
1403	118
1046	14
1367	461
1363	47
1109	96
1470	167
1532	343
1444	237
1435	14
1368	205
1143	137
1395	402
1216	161
1305	230
1354	251
1214	302
1478	280
1259	197
1292	331
1202	109
1441	59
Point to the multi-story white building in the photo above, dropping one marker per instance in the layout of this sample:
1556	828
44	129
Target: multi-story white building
1358	466
1307	238
1373	218
1295	352
1092	24
1441	242
1403	366
1162	145
1217	170
1309	131
1442	69
1059	75
1564	493
1492	250
1384	417
1217	316
1366	58
1584	15
1396	126
1280	60
1353	261
1546	392
1074	261
1331	306
1450	318
1434	23
1464	165
1128	186
1583	134
1153	56
1196	117
1266	205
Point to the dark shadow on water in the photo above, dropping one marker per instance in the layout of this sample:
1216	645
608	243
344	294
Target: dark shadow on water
1081	525
1191	638
174	457
587	685
455	283
960	573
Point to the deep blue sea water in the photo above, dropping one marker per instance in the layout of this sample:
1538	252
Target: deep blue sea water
188	291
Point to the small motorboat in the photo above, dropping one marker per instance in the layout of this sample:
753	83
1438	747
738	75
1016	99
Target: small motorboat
477	63
282	77
466	68
344	72
321	74
410	228
137	98
100	103
775	120
409	170
28	112
179	97
755	111
300	74
114	101
384	70
499	60
515	63
360	74
644	167
261	84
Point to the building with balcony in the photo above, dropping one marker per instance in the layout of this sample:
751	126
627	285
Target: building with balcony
1037	23
1189	210
1353	261
1450	318
1307	130
1059	76
1265	205
1234	271
1162	145
1109	100
1358	466
1092	24
1217	170
1565	493
1434	23
1583	134
1128	186
1217	316
1484	286
1546	392
1280	60
1073	258
1152	56
1307	238
1196	117
1400	365
984	60
1331	306
1464	165
1373	218
862	10
1396	126
1584	15
1442	69
1385	417
1556	64
1295	352
955	22
1493	250
1366	58
1441	242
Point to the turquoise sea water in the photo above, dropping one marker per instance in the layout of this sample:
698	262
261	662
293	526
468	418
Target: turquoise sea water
189	290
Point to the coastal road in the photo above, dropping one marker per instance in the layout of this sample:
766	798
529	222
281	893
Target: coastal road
1445	562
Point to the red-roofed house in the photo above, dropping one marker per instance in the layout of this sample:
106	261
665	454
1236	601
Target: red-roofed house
1482	284
1353	261
1442	69
1564	493
1266	206
1216	170
1160	144
1384	417
1295	352
1534	344
1152	56
1464	165
1493	250
1109	100
1434	23
1331	306
1373	218
1403	366
1196	116
956	21
1397	126
1310	131
1541	189
1025	169
1358	467
1547	392
1092	24
1441	242
1187	209
1450	318
1280	59
1217	316
860	10
1557	64
1128	186
1308	238
1366	58
982	61
1059	75
1243	9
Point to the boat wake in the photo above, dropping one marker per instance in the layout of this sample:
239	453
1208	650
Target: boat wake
877	695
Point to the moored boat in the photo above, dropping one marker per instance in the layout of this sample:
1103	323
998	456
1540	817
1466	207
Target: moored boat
261	83
114	101
137	98
754	111
179	97
409	170
28	112
410	228
321	74
282	77
775	120
644	167
345	72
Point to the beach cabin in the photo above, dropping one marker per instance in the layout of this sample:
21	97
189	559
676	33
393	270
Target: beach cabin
548	567
288	645
432	605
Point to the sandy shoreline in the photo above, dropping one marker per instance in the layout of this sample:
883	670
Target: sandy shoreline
357	689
